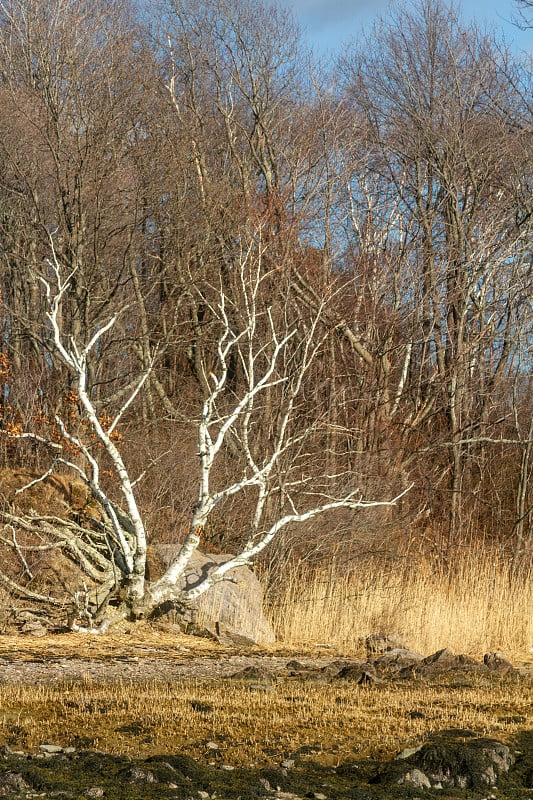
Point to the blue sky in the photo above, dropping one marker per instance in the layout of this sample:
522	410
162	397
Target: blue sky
328	23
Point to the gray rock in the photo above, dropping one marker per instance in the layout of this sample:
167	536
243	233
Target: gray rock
333	670
137	775
95	791
416	778
14	780
474	764
230	637
295	666
498	662
397	658
361	675
369	678
234	607
446	660
446	657
34	628
51	749
255	673
408	752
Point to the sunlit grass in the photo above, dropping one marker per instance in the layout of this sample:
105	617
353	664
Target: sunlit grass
474	606
256	725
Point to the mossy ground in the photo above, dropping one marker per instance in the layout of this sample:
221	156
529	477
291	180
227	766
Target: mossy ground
180	777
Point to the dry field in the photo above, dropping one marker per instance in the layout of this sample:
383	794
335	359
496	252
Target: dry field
257	725
479	607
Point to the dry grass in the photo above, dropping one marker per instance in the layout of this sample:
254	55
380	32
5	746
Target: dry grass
338	721
478	606
136	641
475	606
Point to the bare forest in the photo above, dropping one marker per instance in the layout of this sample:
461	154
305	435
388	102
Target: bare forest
257	302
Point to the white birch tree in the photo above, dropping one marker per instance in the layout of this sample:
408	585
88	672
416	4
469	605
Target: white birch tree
274	355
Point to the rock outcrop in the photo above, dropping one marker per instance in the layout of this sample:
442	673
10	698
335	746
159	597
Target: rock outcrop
464	765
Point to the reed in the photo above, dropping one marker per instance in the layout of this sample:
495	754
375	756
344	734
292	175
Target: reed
478	603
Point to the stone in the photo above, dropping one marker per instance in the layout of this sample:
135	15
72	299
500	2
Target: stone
234	605
446	660
408	752
362	675
51	749
227	636
498	662
446	657
137	775
369	678
397	658
255	673
294	666
14	780
473	764
34	628
95	791
416	778
333	669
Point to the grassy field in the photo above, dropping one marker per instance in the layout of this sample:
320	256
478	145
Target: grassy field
478	606
332	723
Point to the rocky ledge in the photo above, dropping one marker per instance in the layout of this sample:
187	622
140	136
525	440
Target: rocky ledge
454	764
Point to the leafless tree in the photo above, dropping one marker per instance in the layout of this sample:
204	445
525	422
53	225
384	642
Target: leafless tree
525	13
434	101
115	561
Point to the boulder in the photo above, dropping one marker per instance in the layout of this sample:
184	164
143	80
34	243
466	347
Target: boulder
231	609
396	659
417	778
498	663
475	764
34	628
446	660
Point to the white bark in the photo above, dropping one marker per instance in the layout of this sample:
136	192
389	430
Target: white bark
76	360
280	361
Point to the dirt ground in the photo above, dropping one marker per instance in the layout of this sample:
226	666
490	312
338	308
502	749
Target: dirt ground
144	654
